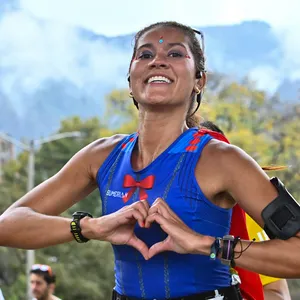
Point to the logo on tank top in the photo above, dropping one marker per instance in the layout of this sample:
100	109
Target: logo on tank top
116	194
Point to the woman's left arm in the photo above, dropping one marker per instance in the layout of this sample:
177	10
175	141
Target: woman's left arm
238	174
248	184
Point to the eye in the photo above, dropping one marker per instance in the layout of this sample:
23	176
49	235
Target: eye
175	54
145	55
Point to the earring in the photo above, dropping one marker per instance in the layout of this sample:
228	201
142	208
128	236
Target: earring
130	95
197	90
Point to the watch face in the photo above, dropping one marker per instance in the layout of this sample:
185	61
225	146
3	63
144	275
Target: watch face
81	214
228	237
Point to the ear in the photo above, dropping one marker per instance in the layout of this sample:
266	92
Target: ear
200	82
52	287
129	83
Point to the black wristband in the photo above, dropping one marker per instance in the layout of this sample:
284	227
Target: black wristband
235	242
75	226
215	248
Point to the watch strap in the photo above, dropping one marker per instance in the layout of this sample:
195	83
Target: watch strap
75	226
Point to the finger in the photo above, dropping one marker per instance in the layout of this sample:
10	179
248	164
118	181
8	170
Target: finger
159	202
158	218
146	204
159	247
166	208
139	245
141	207
160	208
129	216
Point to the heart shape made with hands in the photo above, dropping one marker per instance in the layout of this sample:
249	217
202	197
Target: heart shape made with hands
180	237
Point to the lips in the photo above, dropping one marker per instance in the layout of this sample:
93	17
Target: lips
159	79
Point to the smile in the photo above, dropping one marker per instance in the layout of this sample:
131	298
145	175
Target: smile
159	79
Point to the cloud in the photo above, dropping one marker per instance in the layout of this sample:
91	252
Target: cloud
122	17
34	51
266	77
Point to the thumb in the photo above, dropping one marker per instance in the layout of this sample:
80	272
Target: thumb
139	245
159	247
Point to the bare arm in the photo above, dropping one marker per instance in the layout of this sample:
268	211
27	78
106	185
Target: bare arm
252	189
33	222
277	290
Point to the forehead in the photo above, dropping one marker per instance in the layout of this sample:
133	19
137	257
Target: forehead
168	34
36	277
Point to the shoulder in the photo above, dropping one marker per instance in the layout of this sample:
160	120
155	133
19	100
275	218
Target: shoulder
96	153
222	158
55	298
103	145
239	175
229	158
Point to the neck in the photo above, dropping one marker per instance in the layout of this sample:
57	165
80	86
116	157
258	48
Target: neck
157	132
46	297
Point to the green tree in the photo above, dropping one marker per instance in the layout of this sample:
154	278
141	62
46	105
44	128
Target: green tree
259	124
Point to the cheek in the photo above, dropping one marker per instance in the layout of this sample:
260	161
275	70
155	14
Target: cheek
135	68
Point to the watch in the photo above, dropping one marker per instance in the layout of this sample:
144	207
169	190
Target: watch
75	226
227	250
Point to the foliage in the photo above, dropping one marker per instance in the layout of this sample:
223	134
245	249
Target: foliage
258	124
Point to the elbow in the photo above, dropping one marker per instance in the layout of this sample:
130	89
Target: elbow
10	225
3	230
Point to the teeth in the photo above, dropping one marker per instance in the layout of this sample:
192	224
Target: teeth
159	79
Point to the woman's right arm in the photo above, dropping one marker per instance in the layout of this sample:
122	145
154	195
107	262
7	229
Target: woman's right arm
33	222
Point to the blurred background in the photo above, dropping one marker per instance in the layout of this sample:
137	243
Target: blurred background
63	67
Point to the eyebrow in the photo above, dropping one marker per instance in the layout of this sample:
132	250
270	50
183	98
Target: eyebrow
150	45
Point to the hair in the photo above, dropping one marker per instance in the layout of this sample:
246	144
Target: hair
197	51
213	127
45	274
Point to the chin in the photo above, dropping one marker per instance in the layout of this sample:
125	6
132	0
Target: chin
157	99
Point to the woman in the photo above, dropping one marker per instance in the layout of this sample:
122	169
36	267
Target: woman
164	190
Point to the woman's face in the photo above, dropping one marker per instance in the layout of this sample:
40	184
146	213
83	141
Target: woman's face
163	69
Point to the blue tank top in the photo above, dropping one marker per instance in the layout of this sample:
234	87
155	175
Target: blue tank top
171	177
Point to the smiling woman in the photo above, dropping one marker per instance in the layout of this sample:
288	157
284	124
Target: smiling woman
167	190
185	55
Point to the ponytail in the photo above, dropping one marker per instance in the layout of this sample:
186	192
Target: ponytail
192	121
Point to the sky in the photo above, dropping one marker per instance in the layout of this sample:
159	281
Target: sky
116	17
32	52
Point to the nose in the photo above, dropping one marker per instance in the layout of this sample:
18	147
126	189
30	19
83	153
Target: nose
158	62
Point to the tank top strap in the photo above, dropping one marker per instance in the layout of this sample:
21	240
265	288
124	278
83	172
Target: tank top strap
124	146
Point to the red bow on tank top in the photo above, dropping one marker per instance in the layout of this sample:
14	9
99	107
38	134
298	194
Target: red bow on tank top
143	185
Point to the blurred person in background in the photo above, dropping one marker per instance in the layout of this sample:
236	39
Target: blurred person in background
42	282
1	295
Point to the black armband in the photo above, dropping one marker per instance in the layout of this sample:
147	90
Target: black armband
282	215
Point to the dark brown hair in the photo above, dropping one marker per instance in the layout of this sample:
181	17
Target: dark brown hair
197	51
45	275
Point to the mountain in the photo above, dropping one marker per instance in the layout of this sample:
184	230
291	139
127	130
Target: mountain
50	71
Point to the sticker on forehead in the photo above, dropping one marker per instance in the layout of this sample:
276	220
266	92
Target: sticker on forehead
161	40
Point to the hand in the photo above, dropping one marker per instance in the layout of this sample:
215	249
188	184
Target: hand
118	228
181	238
